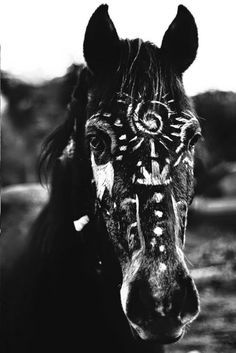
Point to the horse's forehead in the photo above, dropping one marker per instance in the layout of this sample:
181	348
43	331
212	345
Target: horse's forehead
140	122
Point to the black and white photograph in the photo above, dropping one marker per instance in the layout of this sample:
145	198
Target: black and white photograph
118	176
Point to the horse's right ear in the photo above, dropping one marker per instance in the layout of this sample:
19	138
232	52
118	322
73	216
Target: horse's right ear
101	43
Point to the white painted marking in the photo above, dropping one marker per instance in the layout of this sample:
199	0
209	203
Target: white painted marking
123	148
153	242
160	310
133	139
153	149
140	233
178	161
162	248
175	126
158	213
167	160
176	213
183	120
138	144
127	200
139	163
162	267
124	296
179	148
155	173
81	223
104	177
158	231
163	144
119	158
167	181
122	137
188	161
165	172
158	197
118	122
167	137
175	134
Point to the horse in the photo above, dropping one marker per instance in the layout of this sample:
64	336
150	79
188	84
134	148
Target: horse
105	266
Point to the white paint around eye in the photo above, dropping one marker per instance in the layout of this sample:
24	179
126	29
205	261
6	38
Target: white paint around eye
81	223
103	176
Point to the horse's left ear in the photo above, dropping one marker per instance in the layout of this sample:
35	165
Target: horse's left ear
180	41
101	43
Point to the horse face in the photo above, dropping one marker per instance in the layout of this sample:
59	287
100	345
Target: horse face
141	144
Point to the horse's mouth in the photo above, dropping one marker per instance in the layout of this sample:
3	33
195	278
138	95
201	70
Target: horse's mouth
157	337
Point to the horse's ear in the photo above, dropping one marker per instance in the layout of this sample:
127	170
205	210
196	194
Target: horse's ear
101	43
180	41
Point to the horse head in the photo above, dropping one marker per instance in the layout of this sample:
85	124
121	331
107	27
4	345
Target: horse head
132	135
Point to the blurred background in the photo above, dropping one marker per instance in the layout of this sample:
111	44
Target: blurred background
41	57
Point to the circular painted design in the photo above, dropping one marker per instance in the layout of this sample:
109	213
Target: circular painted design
150	123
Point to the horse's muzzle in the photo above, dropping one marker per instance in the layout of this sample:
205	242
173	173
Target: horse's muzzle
160	315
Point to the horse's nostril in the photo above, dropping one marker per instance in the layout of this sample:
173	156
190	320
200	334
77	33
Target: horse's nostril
190	307
140	301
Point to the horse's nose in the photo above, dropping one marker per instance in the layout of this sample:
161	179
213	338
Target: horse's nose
143	303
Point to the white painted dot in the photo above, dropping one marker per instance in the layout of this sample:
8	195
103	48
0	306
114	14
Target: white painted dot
158	196
158	213
162	267
118	122
139	163
167	160
123	148
161	248
153	242
122	137
158	231
119	158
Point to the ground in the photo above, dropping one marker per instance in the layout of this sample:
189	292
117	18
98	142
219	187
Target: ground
211	251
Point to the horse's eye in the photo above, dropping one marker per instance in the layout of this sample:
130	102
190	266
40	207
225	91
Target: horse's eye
97	144
194	139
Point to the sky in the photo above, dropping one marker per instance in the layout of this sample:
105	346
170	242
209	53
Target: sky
40	39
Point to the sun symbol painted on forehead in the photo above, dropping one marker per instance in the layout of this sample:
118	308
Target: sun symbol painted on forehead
153	118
